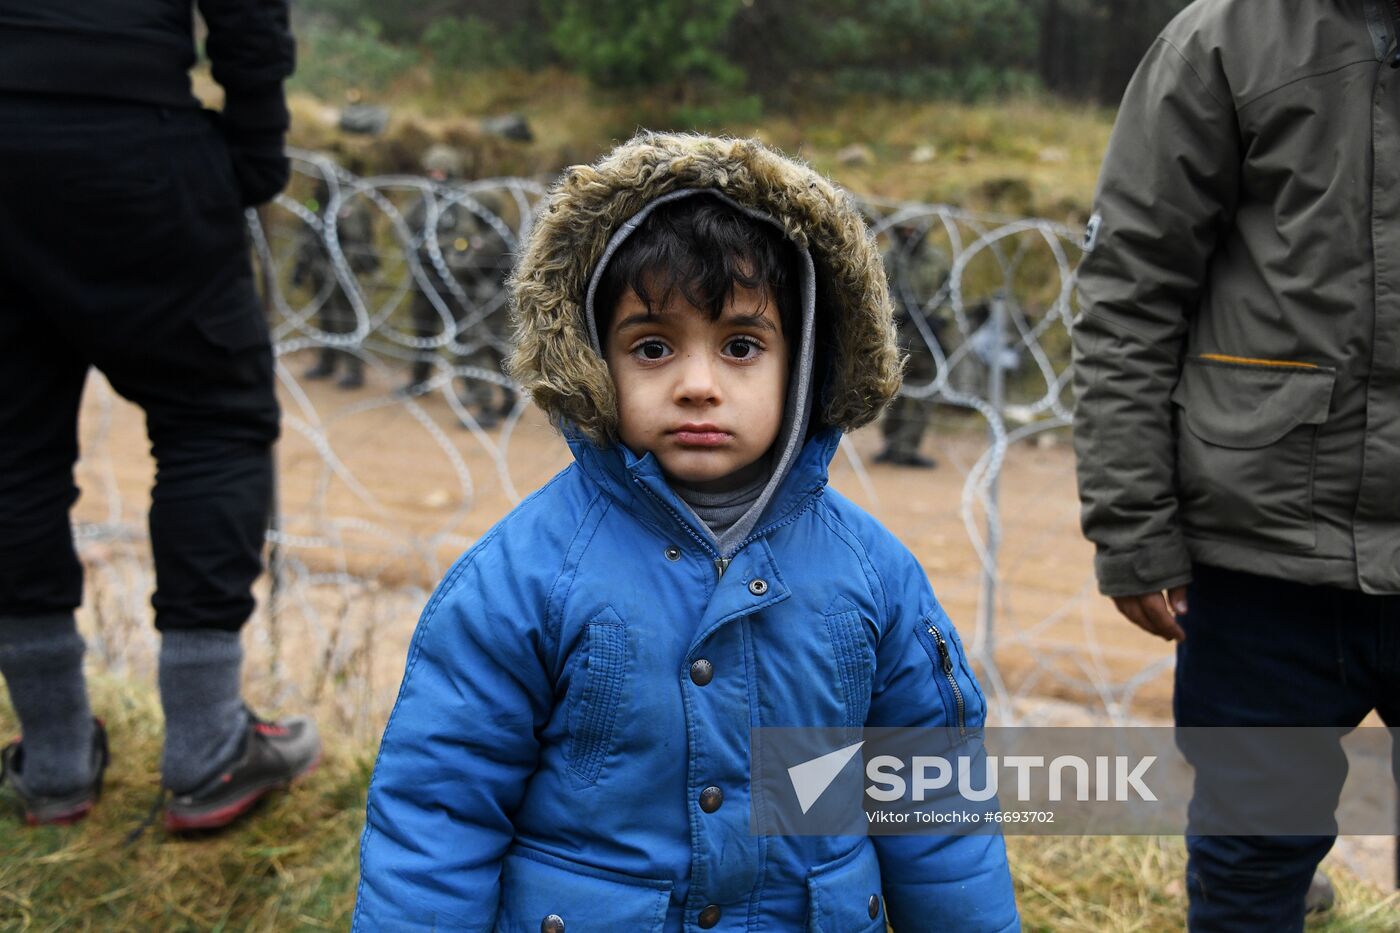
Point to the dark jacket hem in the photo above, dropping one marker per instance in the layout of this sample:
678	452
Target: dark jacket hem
1309	569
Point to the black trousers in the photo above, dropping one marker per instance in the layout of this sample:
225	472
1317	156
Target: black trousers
123	247
1270	652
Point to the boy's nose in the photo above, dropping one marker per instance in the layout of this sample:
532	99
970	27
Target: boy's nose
697	383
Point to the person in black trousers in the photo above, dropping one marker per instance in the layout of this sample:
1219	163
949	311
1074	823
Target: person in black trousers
123	247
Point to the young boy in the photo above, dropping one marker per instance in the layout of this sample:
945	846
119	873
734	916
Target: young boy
570	749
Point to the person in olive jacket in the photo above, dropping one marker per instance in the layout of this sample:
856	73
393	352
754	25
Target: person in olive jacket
1237	366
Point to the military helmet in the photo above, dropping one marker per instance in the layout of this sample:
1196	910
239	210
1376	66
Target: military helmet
442	158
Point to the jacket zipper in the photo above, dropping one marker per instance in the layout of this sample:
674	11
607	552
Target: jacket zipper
946	659
722	563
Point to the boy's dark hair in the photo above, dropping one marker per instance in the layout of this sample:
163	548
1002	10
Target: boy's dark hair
702	248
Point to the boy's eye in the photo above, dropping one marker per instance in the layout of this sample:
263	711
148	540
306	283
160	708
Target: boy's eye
651	350
743	348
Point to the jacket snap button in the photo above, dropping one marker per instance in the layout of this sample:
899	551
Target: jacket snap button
673	553
709	917
702	672
552	924
758	586
711	798
874	906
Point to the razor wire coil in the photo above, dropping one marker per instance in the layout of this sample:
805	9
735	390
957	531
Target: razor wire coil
990	300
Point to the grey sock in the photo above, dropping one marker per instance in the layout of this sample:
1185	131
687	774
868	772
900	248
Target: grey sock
41	658
205	719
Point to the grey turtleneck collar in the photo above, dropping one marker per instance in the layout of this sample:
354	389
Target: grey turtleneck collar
729	508
721	503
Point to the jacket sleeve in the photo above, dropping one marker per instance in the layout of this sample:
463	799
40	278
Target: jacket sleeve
1168	185
456	755
933	882
251	52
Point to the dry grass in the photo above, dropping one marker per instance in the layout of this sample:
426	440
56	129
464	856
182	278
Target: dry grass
294	867
1134	884
1028	156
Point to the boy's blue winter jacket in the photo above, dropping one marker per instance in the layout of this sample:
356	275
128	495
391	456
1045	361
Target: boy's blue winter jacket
555	729
571	745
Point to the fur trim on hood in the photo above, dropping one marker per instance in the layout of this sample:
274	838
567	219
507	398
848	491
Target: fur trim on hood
553	359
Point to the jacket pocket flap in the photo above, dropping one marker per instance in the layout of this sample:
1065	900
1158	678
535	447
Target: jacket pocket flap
1250	405
535	885
840	892
594	709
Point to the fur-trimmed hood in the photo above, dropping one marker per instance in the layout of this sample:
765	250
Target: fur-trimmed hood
554	360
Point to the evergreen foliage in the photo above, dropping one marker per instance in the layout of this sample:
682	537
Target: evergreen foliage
704	50
626	44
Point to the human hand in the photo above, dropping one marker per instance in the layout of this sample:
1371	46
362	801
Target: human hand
1156	612
261	170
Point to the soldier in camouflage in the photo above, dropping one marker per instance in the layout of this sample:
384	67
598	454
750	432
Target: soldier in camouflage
916	270
313	267
477	258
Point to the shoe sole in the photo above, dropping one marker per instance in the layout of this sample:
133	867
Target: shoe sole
226	814
67	818
66	813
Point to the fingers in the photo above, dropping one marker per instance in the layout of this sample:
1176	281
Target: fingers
1130	609
1151	613
1160	613
1176	598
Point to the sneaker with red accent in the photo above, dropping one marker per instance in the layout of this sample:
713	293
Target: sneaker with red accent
63	809
273	754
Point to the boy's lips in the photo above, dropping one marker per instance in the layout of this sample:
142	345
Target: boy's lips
700	435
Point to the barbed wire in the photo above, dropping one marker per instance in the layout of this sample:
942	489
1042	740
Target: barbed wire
399	279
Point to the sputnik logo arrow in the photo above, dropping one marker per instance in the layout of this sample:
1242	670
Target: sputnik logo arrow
811	778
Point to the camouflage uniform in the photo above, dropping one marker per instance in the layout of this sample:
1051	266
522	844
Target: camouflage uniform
354	226
478	260
916	270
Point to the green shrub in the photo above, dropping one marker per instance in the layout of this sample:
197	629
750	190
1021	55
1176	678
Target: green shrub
332	59
624	44
724	114
466	44
470	43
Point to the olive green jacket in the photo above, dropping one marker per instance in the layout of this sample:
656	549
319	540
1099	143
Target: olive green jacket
1237	362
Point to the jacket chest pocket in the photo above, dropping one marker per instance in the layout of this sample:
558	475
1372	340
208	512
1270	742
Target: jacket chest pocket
593	703
854	662
1246	434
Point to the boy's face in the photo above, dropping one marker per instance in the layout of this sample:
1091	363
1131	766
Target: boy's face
705	397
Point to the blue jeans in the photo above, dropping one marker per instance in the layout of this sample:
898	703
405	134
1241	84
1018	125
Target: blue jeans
1269	652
